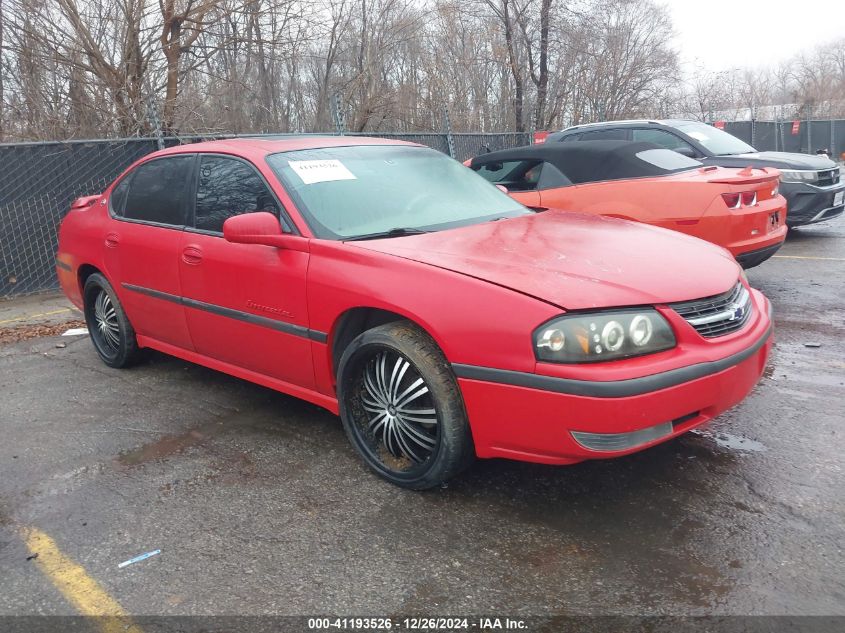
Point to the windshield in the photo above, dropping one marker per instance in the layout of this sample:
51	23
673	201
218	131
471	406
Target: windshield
349	192
715	140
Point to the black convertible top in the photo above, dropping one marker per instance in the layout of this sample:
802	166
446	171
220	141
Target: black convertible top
591	161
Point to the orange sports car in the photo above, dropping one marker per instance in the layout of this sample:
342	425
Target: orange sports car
740	210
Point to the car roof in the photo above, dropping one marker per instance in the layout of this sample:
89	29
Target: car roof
586	161
260	146
626	123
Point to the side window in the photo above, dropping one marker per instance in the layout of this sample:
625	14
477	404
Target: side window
516	175
613	134
229	187
552	178
662	138
570	137
158	191
117	200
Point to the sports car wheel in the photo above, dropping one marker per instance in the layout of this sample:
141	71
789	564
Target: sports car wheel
110	330
401	407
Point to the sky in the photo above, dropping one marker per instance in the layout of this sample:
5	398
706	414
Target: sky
724	34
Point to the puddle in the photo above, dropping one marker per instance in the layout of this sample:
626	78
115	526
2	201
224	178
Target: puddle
732	442
169	445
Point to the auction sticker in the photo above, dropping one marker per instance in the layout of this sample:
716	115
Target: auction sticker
313	171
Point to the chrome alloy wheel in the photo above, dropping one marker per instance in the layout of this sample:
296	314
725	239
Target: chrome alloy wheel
105	319
400	416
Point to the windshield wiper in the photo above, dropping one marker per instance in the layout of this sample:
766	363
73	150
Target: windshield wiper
399	231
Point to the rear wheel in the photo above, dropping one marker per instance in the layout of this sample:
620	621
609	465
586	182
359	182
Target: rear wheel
110	330
401	407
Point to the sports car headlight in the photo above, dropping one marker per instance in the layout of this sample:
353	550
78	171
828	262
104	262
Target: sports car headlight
602	336
798	175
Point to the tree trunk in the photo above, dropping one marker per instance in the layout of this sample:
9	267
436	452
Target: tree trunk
543	79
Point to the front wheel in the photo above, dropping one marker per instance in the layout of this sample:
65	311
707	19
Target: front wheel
110	330
401	407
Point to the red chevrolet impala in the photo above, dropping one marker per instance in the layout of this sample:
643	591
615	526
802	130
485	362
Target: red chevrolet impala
440	318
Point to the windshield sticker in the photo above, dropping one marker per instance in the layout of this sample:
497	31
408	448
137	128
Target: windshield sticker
698	136
313	171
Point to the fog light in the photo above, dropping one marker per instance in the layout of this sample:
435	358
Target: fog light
622	441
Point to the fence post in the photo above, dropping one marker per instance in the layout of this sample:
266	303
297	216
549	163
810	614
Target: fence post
809	129
152	115
753	125
337	114
832	147
447	130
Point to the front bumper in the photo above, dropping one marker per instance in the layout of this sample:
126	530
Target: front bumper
548	421
807	204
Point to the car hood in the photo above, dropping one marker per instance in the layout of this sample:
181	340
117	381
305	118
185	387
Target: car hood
782	160
575	261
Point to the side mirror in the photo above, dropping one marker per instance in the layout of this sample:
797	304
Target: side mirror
687	151
261	228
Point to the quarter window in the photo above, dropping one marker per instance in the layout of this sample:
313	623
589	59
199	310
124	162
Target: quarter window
158	191
229	187
516	175
552	178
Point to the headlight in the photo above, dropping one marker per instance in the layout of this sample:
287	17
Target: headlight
794	175
602	336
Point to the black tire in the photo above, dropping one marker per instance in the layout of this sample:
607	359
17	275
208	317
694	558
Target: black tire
416	447
110	330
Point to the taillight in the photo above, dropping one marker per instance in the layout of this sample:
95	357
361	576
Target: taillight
775	191
732	200
737	200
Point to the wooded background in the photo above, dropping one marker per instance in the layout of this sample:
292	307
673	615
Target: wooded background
113	68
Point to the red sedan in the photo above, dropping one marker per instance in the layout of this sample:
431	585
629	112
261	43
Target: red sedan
441	319
738	209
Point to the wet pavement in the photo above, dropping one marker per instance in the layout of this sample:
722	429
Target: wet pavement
259	505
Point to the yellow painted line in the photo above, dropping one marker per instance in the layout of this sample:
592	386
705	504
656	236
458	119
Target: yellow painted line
35	316
829	259
83	592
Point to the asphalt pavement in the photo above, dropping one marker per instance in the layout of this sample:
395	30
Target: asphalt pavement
258	505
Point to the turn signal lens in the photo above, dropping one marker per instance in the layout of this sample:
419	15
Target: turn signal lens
600	336
732	200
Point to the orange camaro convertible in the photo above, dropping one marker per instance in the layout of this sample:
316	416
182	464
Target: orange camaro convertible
738	209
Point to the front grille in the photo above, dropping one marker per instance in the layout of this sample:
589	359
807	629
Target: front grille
828	177
719	315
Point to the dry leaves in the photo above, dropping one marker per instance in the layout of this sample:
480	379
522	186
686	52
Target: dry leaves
26	332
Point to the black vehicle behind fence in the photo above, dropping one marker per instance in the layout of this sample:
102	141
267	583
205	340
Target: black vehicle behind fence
811	184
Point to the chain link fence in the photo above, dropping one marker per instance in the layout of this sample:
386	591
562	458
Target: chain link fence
38	182
785	136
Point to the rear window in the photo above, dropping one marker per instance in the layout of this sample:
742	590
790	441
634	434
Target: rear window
158	191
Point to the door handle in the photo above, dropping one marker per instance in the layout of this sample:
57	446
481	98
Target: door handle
112	240
192	255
